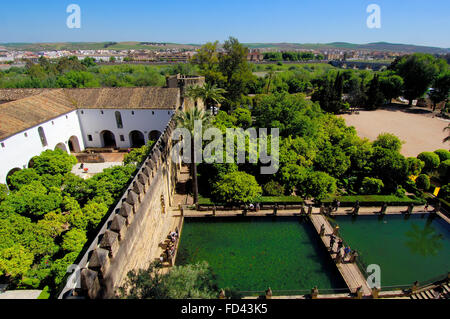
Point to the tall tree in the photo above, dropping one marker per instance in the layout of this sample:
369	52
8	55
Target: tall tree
441	88
234	66
418	71
374	95
391	86
187	119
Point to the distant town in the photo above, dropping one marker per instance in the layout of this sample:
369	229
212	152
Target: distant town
14	56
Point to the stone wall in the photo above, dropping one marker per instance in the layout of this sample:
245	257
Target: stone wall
132	233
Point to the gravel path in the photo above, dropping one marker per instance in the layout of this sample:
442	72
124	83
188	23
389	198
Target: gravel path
416	127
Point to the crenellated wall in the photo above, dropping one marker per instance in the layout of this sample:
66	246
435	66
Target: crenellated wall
130	237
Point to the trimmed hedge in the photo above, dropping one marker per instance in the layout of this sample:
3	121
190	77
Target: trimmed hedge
204	201
375	200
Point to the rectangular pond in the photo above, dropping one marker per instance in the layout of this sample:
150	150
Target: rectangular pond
254	253
407	248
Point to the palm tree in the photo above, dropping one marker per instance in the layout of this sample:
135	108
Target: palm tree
211	95
448	137
187	119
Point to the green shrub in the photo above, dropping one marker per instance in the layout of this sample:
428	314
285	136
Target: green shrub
445	192
430	159
400	192
374	200
3	192
237	188
273	188
54	162
443	154
423	182
243	116
22	177
372	185
415	166
388	141
444	170
138	155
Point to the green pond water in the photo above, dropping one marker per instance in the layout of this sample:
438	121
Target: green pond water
406	248
254	253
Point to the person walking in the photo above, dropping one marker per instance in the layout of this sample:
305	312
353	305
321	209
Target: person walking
322	230
339	244
347	251
331	242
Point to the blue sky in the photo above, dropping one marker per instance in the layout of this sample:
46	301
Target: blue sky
423	22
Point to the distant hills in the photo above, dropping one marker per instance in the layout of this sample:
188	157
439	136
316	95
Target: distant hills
130	45
377	46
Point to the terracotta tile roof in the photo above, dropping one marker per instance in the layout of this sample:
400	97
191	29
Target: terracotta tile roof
25	108
125	98
8	95
22	114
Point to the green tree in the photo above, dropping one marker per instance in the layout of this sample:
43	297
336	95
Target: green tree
187	120
53	162
34	199
444	170
418	71
441	88
388	141
443	154
234	66
23	177
430	159
389	166
243	117
181	282
209	93
415	166
391	86
94	213
77	79
333	161
329	95
3	192
445	192
423	182
88	62
74	240
237	188
292	175
371	185
273	188
15	261
375	96
207	59
59	267
138	155
319	185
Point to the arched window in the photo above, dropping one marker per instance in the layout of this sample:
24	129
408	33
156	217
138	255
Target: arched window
119	120
42	136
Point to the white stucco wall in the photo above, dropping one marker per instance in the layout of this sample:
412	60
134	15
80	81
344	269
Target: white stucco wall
93	122
18	149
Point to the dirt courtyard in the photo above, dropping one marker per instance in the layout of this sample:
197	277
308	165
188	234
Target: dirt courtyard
416	127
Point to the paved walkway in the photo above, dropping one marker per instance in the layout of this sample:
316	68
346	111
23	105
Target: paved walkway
393	210
93	168
20	294
349	271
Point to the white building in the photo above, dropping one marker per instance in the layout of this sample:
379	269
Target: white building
35	120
